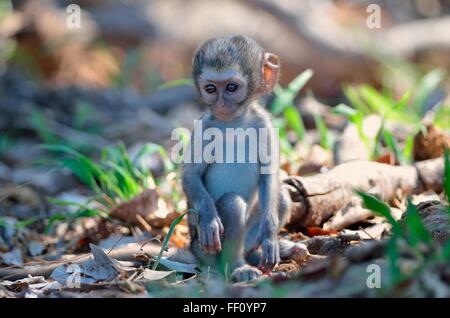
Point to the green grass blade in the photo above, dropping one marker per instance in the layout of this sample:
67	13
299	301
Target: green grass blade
294	121
2	222
80	171
447	173
128	165
285	98
392	144
52	220
408	149
425	87
280	102
86	213
168	164
372	203
167	238
345	110
126	183
446	250
417	231
39	122
299	82
324	134
393	256
403	102
147	149
65	203
355	99
59	148
25	223
377	102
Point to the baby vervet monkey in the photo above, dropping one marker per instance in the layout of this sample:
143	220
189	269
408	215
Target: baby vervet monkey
240	205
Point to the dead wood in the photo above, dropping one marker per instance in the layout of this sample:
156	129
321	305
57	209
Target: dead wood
350	214
330	245
366	250
317	159
435	217
349	146
317	198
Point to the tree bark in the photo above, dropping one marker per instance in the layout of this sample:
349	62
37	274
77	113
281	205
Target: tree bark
317	198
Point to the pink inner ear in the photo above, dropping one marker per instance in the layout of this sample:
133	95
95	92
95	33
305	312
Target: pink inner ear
267	73
270	70
271	60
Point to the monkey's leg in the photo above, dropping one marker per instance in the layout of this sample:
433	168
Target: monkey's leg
292	250
232	208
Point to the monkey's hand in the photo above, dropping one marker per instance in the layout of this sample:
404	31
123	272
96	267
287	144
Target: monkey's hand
270	251
268	240
210	228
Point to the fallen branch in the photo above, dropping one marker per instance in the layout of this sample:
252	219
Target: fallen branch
348	215
317	198
435	217
330	245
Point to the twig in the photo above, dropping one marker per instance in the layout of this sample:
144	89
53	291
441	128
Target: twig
368	234
115	244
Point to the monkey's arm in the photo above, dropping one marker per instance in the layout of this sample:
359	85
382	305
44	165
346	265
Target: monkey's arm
268	192
210	226
194	188
268	198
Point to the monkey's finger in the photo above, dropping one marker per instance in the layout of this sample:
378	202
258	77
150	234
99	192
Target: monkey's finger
214	247
210	242
217	245
272	259
274	256
268	256
221	229
277	254
203	241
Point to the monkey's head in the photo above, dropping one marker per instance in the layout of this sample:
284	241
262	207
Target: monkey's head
230	72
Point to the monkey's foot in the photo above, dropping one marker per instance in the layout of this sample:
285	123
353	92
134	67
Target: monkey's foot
245	273
293	250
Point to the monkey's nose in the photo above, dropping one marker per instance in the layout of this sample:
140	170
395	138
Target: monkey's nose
220	103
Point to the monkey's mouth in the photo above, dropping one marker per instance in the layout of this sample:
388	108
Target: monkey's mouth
224	113
224	116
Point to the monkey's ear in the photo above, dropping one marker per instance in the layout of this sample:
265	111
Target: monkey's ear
270	72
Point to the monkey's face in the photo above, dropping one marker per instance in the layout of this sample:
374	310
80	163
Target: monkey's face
224	91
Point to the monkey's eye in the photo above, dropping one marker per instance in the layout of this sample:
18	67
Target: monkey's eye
210	88
232	87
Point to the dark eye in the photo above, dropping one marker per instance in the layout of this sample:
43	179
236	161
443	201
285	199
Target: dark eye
232	87
210	88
